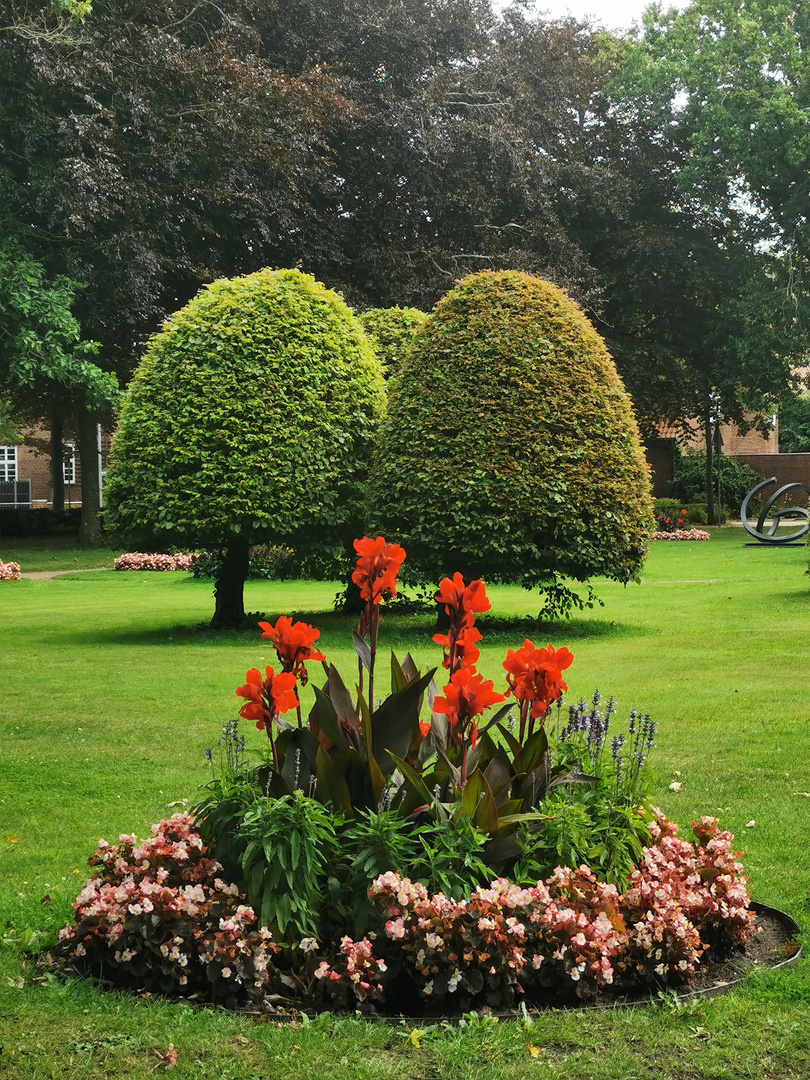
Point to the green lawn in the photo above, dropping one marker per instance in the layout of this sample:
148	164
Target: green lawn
109	692
35	553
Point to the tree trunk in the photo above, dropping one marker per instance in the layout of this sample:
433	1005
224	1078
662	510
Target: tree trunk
57	461
90	525
709	440
229	591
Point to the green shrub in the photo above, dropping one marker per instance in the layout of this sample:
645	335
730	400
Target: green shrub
392	332
290	847
696	514
249	419
667	508
794	425
689	481
23	521
509	450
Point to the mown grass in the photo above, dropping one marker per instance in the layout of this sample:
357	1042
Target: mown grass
37	553
110	690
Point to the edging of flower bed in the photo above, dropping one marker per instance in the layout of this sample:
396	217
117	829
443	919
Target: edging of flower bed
789	924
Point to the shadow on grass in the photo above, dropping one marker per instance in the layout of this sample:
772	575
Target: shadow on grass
798	597
395	627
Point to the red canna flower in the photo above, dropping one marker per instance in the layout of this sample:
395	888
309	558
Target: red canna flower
466	653
462	602
293	642
465	697
378	564
535	675
267	698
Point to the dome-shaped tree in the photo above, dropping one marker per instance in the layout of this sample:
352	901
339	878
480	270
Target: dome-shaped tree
250	417
392	332
509	449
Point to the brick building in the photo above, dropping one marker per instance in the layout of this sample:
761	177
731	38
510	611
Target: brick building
25	471
760	452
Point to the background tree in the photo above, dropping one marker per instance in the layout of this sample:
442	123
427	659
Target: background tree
249	418
702	319
728	80
509	448
469	128
794	424
48	370
151	148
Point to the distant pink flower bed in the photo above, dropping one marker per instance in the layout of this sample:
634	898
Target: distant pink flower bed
9	571
136	560
682	534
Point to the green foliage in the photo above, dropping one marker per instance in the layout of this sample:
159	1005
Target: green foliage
509	450
252	414
689	482
9	427
42	355
696	514
290	846
600	816
266	563
671	508
392	332
794	425
452	860
372	844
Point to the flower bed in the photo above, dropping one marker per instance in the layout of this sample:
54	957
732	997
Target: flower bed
369	853
136	560
682	534
9	571
156	914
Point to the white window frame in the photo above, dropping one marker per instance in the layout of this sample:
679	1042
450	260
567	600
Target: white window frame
8	463
69	463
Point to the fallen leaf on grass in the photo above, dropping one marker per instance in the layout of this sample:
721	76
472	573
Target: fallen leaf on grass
675	787
167	1060
12	840
750	824
535	1051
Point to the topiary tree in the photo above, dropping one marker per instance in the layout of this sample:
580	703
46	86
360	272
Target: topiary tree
392	332
250	417
509	449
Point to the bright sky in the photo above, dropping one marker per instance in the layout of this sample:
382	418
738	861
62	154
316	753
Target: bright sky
612	14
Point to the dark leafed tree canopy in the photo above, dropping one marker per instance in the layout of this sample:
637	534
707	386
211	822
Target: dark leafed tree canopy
151	147
386	147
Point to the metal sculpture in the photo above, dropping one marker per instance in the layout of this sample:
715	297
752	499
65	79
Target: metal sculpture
776	516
